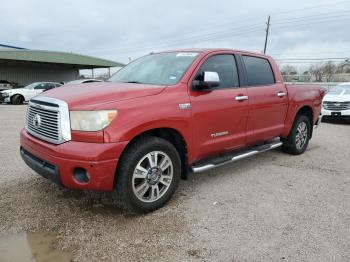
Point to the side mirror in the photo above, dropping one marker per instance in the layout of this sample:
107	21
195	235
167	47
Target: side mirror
210	80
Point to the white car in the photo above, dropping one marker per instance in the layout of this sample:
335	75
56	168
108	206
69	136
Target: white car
19	95
336	103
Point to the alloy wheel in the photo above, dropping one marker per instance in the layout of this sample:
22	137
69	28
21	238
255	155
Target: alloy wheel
152	176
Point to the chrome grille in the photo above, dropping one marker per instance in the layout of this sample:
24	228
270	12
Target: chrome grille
336	106
43	122
48	119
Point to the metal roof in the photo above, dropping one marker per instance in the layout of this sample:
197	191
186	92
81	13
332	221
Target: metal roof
12	47
81	61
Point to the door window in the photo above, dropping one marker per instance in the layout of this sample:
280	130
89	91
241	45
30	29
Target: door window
225	66
259	71
40	86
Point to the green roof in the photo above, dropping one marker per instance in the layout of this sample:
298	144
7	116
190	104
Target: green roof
80	61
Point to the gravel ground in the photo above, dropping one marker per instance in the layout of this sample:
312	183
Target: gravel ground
271	207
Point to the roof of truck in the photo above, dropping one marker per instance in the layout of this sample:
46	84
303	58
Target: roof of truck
208	50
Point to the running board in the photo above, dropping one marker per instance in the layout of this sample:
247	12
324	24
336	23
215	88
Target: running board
223	160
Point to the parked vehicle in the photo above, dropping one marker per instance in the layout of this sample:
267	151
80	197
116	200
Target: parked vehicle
19	95
4	85
336	103
84	81
163	115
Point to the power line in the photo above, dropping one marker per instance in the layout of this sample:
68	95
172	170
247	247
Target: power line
313	53
309	8
309	23
232	32
324	18
204	37
311	59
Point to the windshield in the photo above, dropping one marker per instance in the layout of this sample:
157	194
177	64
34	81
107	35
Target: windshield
340	90
31	86
156	69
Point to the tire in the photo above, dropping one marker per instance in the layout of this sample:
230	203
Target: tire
298	138
17	100
137	182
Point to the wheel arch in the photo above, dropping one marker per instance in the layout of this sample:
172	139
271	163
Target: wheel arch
17	94
173	136
293	112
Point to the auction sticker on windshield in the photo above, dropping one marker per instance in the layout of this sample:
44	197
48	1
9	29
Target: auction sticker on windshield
187	54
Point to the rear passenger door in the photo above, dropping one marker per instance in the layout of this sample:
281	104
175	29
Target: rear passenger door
218	117
268	100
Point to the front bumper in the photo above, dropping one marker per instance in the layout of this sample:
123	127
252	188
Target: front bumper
4	99
58	162
328	114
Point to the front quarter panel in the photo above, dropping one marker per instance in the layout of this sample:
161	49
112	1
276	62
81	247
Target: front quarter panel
139	115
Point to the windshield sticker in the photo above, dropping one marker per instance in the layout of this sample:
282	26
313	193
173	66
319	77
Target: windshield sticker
188	54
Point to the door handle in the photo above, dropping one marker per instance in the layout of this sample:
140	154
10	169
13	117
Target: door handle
241	98
281	94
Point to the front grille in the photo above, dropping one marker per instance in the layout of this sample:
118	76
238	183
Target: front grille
336	106
44	122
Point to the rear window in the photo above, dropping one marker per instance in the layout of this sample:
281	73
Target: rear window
259	71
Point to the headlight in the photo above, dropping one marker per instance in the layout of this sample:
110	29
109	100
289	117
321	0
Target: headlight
91	120
4	94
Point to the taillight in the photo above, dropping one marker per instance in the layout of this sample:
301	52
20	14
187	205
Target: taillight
322	92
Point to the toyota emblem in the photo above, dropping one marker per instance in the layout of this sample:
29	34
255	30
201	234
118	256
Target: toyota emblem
37	121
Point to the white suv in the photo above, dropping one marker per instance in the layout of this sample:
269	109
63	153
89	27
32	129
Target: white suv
336	104
19	95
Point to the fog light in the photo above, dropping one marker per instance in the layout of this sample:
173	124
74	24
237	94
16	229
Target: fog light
81	175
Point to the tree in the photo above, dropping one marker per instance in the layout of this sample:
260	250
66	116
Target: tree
289	73
328	70
306	76
316	71
344	67
288	70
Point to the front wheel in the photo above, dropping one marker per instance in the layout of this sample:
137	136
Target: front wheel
298	138
148	175
17	100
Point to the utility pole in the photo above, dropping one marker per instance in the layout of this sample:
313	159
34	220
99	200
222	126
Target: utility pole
267	33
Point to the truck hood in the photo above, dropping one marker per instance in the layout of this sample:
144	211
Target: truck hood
89	96
337	98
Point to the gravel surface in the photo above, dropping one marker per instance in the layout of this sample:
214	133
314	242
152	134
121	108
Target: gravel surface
271	207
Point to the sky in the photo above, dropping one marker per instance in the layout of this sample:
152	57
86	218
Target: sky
123	30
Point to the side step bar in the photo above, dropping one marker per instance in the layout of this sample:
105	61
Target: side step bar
223	160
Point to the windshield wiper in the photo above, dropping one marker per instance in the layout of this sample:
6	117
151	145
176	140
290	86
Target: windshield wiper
133	82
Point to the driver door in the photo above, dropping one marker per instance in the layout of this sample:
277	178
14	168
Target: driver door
219	116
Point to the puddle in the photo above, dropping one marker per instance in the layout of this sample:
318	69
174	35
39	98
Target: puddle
37	246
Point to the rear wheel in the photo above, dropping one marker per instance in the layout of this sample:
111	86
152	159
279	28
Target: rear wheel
298	139
17	100
148	175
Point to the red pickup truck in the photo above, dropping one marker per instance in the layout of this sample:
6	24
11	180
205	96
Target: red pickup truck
162	116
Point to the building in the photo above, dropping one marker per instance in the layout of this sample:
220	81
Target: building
24	66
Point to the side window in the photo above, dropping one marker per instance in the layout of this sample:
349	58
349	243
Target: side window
225	66
49	86
259	71
40	86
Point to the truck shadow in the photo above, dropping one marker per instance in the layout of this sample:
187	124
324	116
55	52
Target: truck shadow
337	121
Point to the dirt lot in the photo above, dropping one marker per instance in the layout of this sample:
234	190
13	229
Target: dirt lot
271	207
